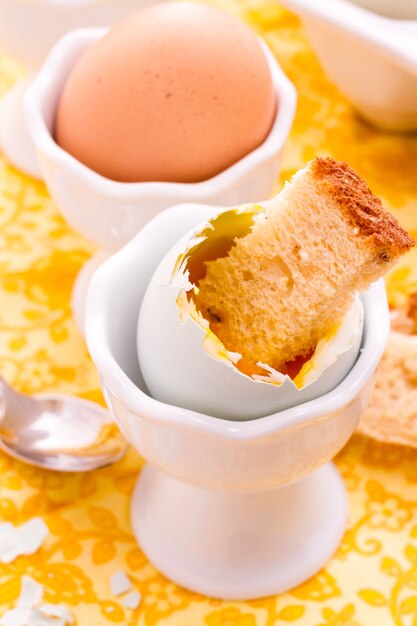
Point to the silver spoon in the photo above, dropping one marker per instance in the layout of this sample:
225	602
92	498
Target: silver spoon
58	432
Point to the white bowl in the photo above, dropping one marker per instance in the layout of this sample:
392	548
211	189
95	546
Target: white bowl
368	48
29	28
217	510
109	213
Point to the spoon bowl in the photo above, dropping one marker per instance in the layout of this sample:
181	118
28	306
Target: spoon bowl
58	432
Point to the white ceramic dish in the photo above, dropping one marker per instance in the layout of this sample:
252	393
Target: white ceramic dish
28	30
228	509
368	48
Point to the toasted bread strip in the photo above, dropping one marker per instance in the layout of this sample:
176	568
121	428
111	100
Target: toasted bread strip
293	277
392	412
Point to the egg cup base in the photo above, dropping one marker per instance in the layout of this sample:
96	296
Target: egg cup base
15	141
239	546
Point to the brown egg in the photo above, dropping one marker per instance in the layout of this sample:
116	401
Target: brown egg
175	92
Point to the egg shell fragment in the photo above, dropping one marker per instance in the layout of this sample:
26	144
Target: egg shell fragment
132	600
120	583
18	540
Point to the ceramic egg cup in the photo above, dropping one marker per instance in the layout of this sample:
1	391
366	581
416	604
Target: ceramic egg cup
110	213
368	48
234	510
28	30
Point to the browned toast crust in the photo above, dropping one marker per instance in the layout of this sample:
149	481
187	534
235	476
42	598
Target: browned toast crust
362	207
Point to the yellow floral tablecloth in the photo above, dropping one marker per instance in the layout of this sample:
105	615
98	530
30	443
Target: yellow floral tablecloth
373	578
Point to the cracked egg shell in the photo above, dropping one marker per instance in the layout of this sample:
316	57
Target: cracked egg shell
184	364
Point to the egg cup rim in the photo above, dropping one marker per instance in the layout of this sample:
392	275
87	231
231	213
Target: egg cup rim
45	81
375	336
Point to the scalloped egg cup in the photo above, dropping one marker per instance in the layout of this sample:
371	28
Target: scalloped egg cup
230	509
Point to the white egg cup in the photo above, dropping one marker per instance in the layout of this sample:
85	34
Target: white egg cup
234	510
110	213
28	30
368	48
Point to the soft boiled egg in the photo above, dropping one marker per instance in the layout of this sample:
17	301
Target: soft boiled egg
175	92
185	364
